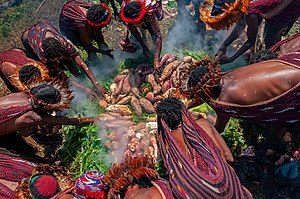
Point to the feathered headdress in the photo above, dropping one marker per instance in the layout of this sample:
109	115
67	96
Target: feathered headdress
107	14
123	175
232	12
138	17
65	96
15	79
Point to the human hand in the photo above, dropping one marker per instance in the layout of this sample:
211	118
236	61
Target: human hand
100	90
221	58
28	119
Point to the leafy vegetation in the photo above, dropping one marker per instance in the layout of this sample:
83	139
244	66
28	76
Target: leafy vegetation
14	14
234	137
83	150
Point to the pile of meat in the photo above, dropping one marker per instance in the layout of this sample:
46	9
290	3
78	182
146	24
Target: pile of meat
129	93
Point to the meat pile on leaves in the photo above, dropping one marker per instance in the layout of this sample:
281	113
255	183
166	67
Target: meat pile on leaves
129	90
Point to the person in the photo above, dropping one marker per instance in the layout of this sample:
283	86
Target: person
16	70
279	16
264	92
16	75
145	14
51	48
221	14
192	153
82	23
23	110
135	178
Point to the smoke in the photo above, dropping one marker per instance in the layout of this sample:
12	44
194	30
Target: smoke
184	35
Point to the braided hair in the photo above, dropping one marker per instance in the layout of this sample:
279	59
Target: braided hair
132	10
262	55
170	111
97	14
53	48
198	76
46	93
28	72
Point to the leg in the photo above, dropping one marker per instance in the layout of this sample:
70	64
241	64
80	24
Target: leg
273	34
221	122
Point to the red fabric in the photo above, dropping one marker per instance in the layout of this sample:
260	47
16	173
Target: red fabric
165	188
277	46
187	179
72	16
16	57
281	109
7	113
37	34
151	6
13	169
289	13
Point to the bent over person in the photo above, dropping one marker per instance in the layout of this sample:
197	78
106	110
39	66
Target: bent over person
279	15
264	92
82	23
193	156
51	48
17	70
145	14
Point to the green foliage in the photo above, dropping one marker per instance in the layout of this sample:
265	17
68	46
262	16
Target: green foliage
14	14
83	150
196	54
234	137
203	108
144	117
172	4
161	169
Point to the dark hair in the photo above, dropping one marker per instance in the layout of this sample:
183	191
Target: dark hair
262	55
197	76
170	111
97	13
27	72
46	93
132	10
53	48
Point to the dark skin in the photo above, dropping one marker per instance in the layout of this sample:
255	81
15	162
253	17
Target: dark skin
145	193
23	123
79	62
85	35
253	21
151	24
268	80
11	69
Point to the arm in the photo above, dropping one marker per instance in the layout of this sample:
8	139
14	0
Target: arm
235	33
154	30
253	20
89	74
85	40
134	31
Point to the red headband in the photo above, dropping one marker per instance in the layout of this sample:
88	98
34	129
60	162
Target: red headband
104	23
139	18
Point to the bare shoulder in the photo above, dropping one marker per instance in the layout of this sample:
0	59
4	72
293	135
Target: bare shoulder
147	193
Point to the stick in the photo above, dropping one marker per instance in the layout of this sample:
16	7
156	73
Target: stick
41	4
